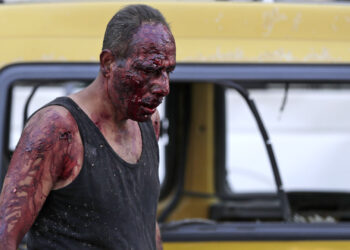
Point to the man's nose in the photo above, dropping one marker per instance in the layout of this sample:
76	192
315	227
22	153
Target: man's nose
161	84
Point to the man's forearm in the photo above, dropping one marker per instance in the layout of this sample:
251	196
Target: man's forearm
7	243
159	243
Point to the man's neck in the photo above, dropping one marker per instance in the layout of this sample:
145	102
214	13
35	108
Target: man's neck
94	100
123	135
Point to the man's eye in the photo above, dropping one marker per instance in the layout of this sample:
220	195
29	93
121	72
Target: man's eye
155	71
149	69
170	70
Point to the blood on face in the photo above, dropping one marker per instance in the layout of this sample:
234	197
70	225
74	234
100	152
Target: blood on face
141	81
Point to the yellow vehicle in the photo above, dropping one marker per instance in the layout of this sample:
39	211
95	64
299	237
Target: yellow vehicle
222	186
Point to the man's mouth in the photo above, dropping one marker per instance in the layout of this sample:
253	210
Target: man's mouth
148	110
150	106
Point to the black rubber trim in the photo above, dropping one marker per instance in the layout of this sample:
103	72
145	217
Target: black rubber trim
263	72
26	106
257	232
198	194
221	184
285	206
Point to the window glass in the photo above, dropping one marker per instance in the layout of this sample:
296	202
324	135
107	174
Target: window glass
247	164
310	138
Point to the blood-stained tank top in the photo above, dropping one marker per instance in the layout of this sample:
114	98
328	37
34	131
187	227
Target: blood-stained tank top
110	205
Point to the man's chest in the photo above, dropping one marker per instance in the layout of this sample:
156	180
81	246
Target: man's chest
127	144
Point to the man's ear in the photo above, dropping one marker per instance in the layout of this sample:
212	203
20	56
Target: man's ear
106	59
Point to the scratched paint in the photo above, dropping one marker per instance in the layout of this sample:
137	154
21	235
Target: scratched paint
297	21
271	18
320	55
278	54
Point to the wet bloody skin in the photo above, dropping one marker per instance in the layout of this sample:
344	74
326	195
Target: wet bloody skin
46	153
140	82
156	124
99	118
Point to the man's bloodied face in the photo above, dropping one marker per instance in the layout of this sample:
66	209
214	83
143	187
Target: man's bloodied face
142	79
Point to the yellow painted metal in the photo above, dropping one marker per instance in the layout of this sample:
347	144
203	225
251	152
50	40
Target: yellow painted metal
281	245
200	157
204	32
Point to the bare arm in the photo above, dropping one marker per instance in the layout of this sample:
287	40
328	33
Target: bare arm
39	163
159	243
156	123
156	126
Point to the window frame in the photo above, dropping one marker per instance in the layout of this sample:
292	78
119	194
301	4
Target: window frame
272	73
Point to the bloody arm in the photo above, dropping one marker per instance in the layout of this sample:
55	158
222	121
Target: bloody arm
156	123
159	243
156	126
38	163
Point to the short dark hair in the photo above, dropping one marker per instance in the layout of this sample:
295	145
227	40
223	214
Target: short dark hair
125	23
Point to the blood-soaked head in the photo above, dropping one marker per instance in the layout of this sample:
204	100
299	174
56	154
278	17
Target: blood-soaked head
140	81
139	78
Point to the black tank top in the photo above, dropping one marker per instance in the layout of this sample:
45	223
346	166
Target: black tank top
110	205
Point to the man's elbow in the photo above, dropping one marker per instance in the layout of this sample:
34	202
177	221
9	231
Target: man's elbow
7	242
9	239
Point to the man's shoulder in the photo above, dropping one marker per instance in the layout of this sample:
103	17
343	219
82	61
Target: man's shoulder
50	121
